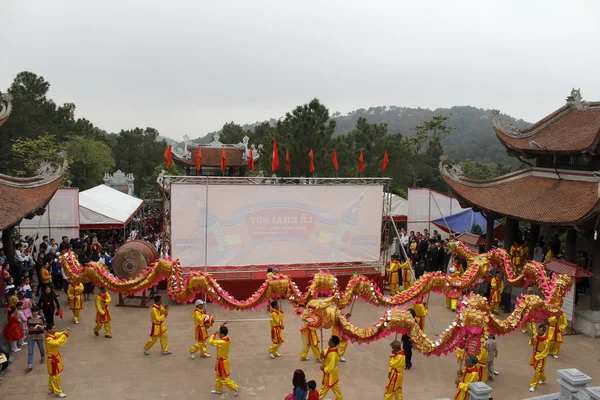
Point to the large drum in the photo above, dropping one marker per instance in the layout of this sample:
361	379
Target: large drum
132	258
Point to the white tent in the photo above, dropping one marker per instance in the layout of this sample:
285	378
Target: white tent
399	207
103	207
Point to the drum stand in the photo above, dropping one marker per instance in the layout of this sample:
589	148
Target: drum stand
146	295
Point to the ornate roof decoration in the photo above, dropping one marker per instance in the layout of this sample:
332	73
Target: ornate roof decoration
536	195
573	128
5	106
23	197
237	154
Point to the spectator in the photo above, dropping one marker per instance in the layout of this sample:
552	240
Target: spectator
300	390
35	335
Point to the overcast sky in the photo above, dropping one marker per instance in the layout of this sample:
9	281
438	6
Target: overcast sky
187	67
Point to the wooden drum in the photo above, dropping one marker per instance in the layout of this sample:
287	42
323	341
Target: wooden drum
132	258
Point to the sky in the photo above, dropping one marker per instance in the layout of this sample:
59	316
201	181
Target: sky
188	67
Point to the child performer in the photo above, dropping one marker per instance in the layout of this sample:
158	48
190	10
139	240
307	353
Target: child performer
406	274
451	299
343	342
222	363
75	296
540	345
467	375
202	321
158	315
393	389
497	285
103	313
276	329
482	364
311	342
331	360
393	275
54	341
421	312
556	327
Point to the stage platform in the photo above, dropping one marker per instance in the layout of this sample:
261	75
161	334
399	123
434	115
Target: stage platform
242	282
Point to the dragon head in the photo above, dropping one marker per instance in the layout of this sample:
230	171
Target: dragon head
319	313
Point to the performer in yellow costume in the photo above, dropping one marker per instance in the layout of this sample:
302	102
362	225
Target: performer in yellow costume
311	342
75	295
222	363
330	380
276	329
482	368
452	299
343	342
158	315
103	313
556	327
421	312
549	255
530	324
54	341
497	287
516	255
406	274
393	389
393	275
468	375
540	345
202	321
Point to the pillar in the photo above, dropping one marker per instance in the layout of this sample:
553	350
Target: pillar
479	391
593	392
489	231
571	249
510	233
571	381
595	279
534	238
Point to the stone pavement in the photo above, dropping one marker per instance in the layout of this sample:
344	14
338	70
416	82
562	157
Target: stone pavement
99	368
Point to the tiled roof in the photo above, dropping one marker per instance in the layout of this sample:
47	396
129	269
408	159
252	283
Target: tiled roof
535	195
567	268
567	130
472	239
18	200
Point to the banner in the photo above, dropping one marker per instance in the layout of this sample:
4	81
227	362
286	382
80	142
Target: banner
568	306
60	219
275	224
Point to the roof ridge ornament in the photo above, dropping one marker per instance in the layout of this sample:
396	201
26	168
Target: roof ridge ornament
5	106
453	172
507	127
575	100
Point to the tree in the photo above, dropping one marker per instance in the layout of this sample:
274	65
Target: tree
89	160
151	191
28	154
476	229
232	133
481	172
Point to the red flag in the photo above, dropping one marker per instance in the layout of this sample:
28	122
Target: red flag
311	156
251	160
385	161
198	159
223	159
288	166
168	156
275	162
334	159
361	163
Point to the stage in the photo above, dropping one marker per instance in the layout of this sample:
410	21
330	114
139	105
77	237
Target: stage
242	282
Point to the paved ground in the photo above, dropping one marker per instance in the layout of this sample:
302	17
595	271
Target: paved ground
99	368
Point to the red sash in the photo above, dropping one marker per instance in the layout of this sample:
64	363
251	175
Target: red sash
199	334
325	380
395	375
421	322
276	334
55	361
220	367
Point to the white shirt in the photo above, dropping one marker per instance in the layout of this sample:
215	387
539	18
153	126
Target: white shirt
20	256
538	254
403	239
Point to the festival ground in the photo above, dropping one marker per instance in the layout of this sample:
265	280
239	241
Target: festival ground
99	368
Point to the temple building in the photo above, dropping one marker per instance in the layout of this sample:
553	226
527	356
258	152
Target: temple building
24	197
560	188
120	181
236	157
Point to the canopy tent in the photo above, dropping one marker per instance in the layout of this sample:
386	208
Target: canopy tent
464	221
103	207
399	207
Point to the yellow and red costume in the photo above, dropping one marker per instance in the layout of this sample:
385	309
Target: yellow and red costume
103	313
222	363
421	312
159	330
452	299
406	274
538	359
276	331
343	342
54	360
549	255
75	295
556	327
393	277
469	375
393	389
311	342
516	255
202	322
482	369
497	287
330	379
